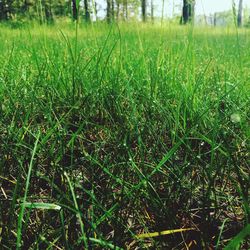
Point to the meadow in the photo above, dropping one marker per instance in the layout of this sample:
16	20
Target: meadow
111	133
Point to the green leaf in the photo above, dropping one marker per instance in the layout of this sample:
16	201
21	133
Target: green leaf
105	244
41	205
237	240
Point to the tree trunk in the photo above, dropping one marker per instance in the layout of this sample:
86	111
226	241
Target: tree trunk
108	11
240	11
25	6
152	11
125	10
86	9
143	10
3	11
74	10
112	10
48	11
118	10
96	10
187	11
6	9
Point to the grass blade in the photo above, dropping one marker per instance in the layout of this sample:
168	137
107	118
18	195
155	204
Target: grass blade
21	214
84	238
238	239
166	232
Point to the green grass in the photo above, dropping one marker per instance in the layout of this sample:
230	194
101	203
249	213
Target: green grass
130	129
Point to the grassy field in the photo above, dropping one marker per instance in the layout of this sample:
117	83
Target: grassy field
111	132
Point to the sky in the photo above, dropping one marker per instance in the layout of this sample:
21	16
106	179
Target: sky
212	6
202	7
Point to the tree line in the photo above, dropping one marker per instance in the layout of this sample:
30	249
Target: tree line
49	10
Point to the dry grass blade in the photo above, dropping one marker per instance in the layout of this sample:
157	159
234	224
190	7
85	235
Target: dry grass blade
166	232
41	205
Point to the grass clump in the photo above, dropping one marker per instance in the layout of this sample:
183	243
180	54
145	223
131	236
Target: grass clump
128	130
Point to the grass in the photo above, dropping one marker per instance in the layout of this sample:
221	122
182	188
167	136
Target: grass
130	131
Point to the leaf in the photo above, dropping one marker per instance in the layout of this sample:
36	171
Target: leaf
105	244
221	230
166	232
235	118
42	205
237	240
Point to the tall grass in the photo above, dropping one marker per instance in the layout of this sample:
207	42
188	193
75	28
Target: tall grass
142	129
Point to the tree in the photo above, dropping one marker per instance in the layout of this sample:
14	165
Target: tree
187	11
6	9
26	6
152	11
112	10
144	10
108	15
3	13
125	9
74	10
117	10
61	8
240	11
86	10
47	4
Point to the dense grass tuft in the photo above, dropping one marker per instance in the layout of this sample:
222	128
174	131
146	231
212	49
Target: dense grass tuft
121	131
